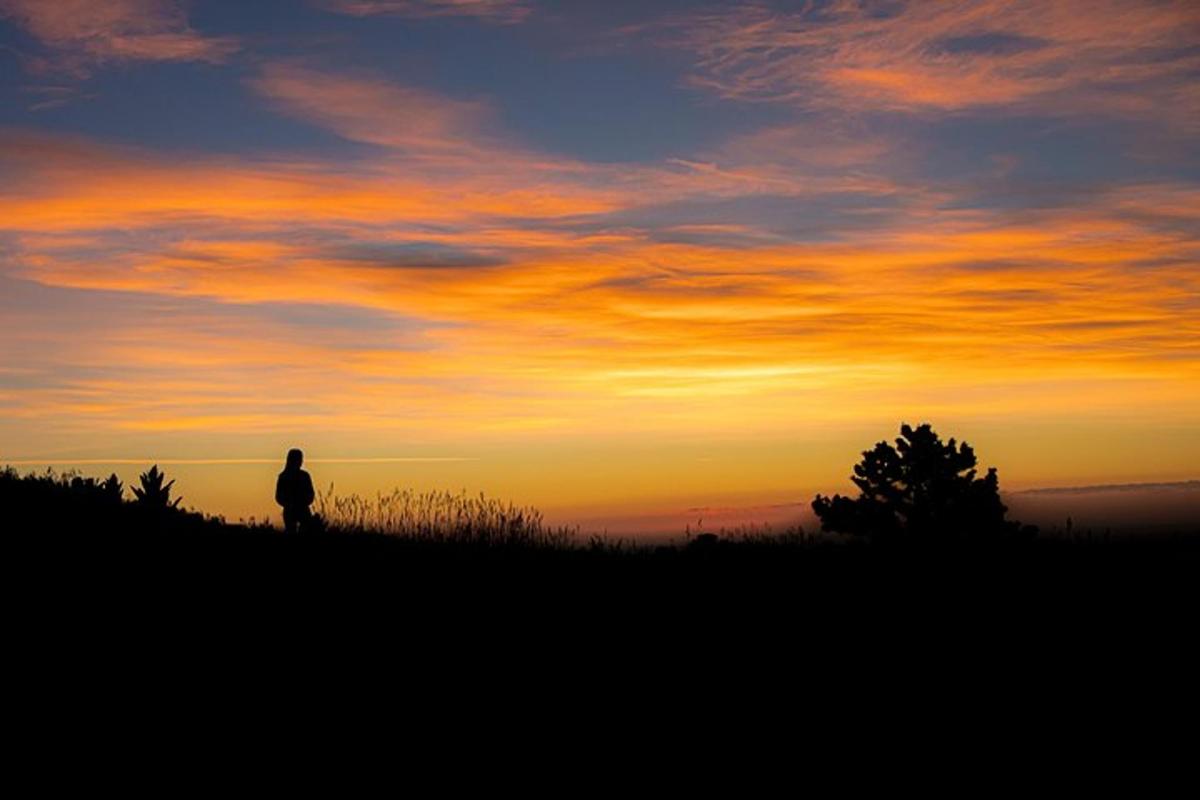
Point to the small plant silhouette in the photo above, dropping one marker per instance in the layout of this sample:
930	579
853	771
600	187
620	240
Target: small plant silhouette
920	490
113	489
153	493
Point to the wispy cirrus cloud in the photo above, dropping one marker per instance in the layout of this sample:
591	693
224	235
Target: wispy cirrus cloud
82	32
43	98
461	143
364	108
504	11
1121	56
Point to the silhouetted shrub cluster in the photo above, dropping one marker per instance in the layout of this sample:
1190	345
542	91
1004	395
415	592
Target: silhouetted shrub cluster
920	491
72	504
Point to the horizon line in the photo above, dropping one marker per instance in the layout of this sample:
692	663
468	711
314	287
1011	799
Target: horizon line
1110	487
227	461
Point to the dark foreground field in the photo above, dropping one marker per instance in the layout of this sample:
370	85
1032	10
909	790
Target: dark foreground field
73	538
475	636
775	648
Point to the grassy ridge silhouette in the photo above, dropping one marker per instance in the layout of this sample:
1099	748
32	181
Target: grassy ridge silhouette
453	560
922	495
73	505
474	581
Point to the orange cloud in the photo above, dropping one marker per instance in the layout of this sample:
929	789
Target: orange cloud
365	109
965	293
1057	56
117	30
65	184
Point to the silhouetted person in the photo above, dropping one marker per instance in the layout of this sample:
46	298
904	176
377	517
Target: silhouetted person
294	491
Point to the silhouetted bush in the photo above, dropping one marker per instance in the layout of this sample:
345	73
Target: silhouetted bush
153	493
921	490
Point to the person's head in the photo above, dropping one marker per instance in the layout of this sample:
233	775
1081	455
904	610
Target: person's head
295	458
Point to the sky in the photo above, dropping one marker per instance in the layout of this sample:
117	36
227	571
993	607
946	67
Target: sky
621	260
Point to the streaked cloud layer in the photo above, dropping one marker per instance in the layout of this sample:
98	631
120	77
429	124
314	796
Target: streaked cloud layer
1055	56
499	10
82	31
981	213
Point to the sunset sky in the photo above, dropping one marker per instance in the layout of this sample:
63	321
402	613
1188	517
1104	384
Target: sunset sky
610	258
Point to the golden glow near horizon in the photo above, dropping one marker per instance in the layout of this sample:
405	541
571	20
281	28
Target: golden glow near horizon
596	333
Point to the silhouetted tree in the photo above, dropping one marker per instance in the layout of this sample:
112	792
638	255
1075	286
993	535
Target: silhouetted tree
920	490
153	494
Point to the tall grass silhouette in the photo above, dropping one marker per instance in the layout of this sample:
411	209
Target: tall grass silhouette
441	517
